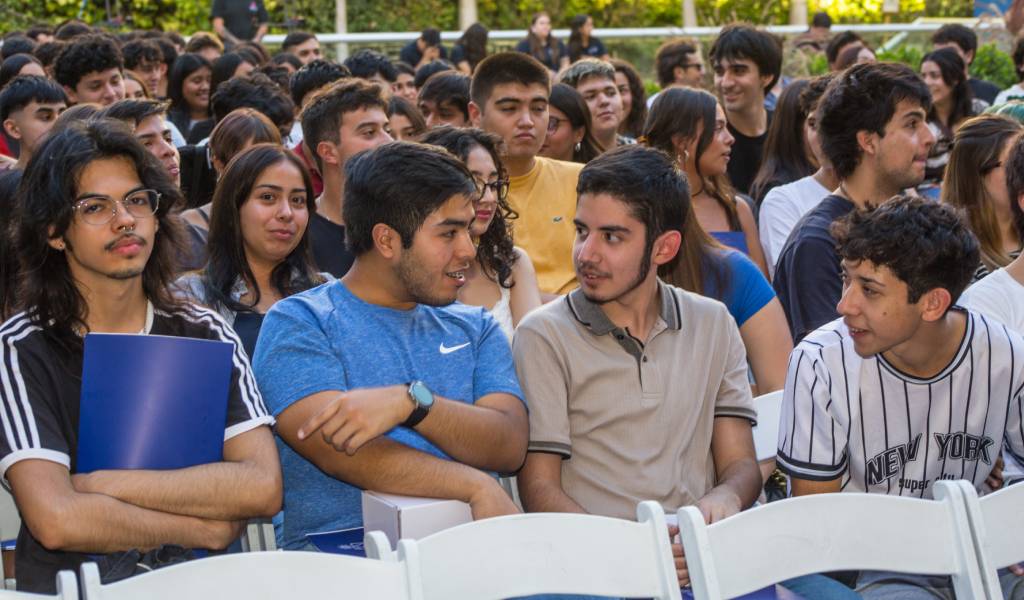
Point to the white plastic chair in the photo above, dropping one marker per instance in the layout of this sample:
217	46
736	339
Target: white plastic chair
541	553
259	536
67	589
830	532
260	576
766	432
997	526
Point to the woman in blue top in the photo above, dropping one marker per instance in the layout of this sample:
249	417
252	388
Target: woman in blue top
705	267
581	42
543	46
690	125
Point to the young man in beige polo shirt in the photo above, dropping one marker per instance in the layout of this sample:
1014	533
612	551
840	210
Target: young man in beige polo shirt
637	390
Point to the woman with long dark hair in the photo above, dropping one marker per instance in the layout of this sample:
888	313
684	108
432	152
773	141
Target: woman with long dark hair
569	136
945	75
542	45
229	66
706	267
634	98
976	183
786	156
239	130
188	88
501	278
690	125
581	41
258	247
470	49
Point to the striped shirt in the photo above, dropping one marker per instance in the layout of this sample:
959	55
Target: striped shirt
884	431
40	387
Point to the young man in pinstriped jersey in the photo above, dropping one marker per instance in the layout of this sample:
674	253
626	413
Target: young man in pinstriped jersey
94	222
906	388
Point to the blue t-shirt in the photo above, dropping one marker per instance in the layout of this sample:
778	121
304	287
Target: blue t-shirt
328	339
746	290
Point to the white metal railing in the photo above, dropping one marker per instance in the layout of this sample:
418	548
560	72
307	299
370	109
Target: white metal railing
629	32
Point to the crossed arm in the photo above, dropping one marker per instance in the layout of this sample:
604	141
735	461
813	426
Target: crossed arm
106	511
342	434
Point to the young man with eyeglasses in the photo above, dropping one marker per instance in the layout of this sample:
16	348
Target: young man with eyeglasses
95	218
380	381
595	81
747	64
509	97
678	63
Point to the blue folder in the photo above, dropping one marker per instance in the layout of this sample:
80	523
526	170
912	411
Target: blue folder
152	402
342	541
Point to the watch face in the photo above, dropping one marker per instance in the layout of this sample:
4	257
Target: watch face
422	394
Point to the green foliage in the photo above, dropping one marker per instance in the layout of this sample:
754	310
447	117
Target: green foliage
992	65
906	53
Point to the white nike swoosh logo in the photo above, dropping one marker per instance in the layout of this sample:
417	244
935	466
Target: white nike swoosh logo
445	350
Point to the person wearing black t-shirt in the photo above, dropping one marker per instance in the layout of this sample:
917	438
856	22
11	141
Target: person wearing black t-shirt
871	168
338	122
239	20
104	254
423	49
747	63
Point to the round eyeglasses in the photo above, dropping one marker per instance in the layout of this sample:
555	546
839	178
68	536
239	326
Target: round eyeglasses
100	210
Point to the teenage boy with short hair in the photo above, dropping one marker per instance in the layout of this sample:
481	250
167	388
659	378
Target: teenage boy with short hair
148	120
98	225
372	66
444	99
29	106
747	63
595	81
338	122
378	380
423	49
965	42
303	45
839	42
146	61
873	129
907	388
90	68
602	368
678	62
510	99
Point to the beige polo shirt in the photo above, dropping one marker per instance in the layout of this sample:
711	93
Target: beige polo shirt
632	420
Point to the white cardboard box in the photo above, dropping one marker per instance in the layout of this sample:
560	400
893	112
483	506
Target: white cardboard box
408	517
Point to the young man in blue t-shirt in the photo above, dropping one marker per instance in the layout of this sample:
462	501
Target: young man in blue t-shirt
379	381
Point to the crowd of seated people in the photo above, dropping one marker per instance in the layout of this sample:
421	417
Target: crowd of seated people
450	264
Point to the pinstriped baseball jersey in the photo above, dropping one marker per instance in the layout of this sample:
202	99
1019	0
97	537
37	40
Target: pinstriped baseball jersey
884	431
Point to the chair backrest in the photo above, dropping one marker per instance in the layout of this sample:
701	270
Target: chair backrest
10	519
997	522
831	532
766	432
259	576
546	553
67	589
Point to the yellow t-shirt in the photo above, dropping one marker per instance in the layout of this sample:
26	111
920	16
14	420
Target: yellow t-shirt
545	199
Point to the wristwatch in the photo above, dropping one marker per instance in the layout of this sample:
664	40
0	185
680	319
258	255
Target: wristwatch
423	398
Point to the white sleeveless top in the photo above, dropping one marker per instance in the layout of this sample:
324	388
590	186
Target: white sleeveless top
502	311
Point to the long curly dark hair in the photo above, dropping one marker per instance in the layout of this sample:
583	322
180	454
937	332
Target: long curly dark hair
44	209
226	250
495	251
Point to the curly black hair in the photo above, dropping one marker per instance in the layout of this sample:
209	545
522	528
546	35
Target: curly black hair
139	52
313	76
366	63
87	54
926	244
495	251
